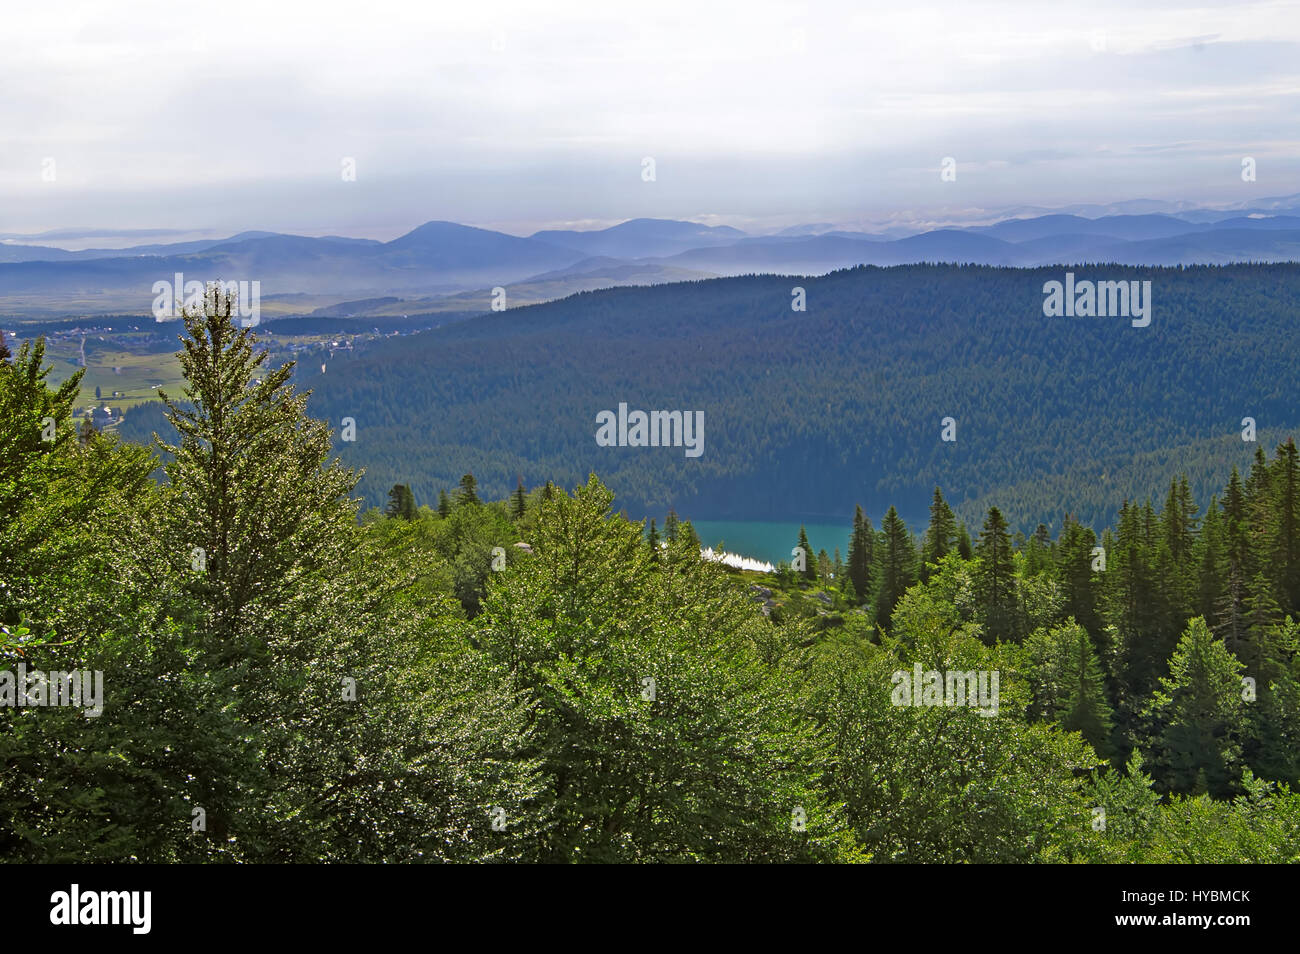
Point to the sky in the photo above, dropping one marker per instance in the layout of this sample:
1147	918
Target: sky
211	118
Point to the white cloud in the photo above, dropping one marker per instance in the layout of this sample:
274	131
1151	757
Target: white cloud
535	112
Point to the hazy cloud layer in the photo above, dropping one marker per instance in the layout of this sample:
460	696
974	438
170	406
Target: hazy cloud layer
520	116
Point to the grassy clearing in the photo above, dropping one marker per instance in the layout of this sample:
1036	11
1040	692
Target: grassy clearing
133	375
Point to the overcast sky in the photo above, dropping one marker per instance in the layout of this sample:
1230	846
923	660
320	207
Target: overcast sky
205	116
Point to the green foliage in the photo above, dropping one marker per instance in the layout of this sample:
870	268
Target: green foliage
995	584
941	783
809	572
467	496
941	535
528	680
667	711
518	502
1200	706
1069	687
296	692
401	503
861	555
895	566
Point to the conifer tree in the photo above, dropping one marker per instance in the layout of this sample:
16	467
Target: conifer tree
1284	526
1239	564
940	535
444	504
1038	552
1177	524
1133	608
1178	527
1198	709
1069	687
994	580
401	503
251	500
809	573
895	568
824	568
1262	616
467	495
1271	744
285	609
861	554
688	538
964	548
1074	572
653	540
1210	566
519	501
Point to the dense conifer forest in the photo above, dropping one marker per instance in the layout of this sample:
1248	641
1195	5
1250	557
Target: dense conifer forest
806	412
511	671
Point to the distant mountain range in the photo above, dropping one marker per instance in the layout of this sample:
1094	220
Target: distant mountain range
443	266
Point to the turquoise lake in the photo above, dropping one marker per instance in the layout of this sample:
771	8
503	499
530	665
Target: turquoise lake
771	541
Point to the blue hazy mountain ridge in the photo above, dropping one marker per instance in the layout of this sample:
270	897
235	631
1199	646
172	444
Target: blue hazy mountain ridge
807	413
346	309
1124	227
34	253
435	255
1219	247
443	258
639	238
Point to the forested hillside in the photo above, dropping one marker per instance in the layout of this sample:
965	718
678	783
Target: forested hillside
534	679
1171	633
805	411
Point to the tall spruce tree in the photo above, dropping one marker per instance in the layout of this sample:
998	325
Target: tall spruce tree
252	500
301	636
964	548
861	555
1262	616
895	568
1079	582
401	503
467	495
994	580
809	573
1210	565
1284	526
1239	566
519	501
1038	552
1069	687
1198	709
940	535
1133	609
